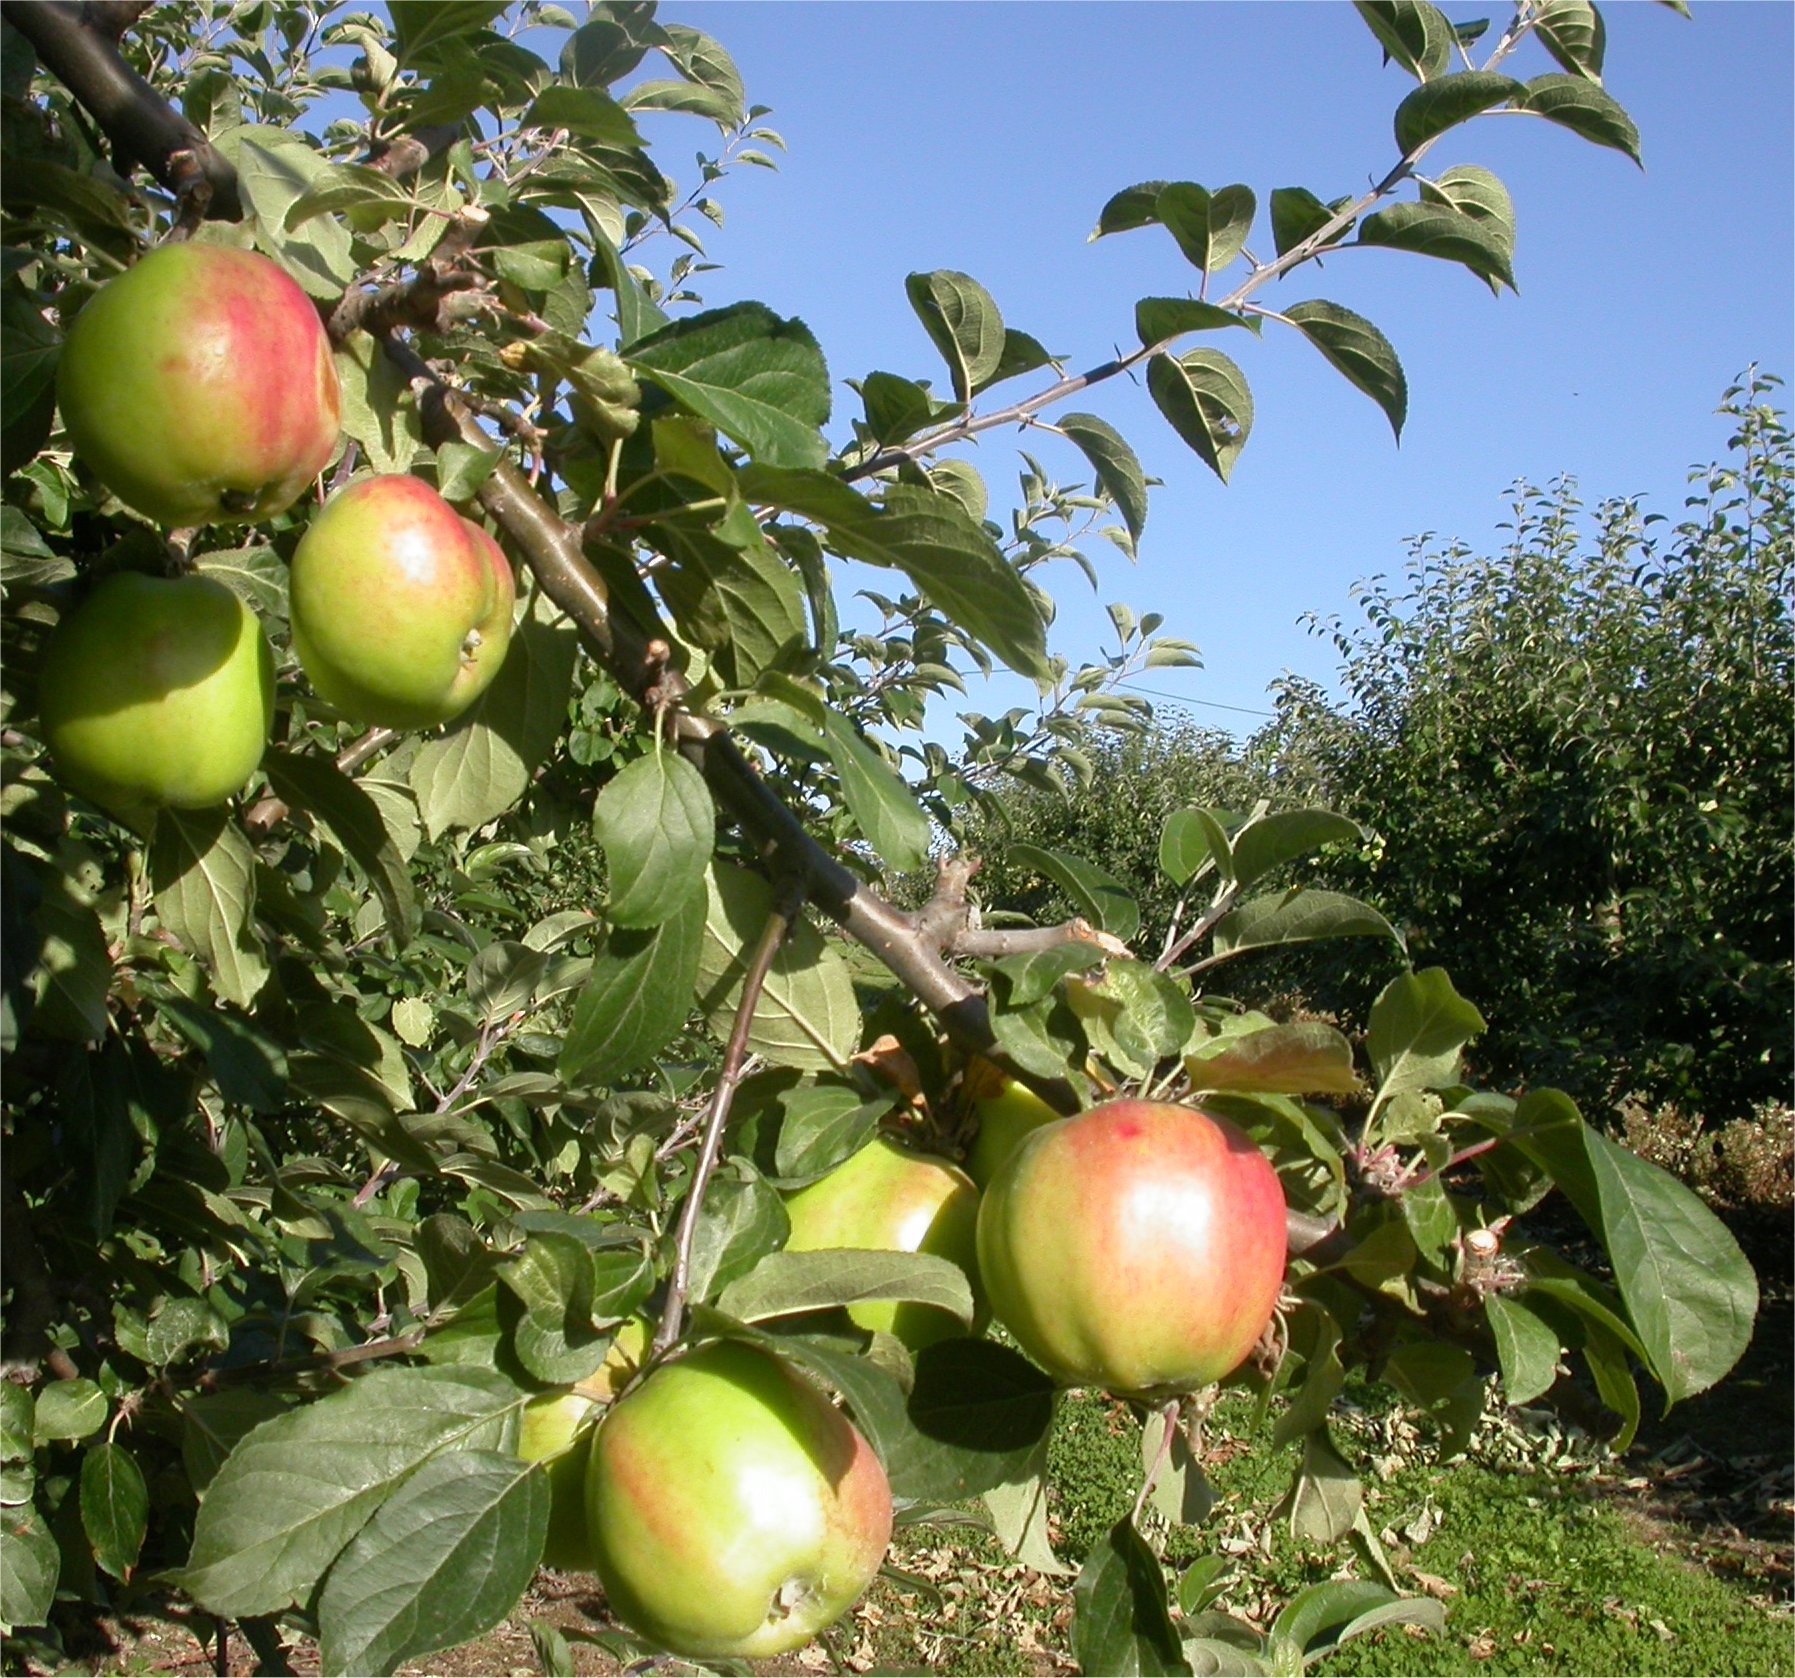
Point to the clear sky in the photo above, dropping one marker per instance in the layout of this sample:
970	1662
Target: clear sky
986	137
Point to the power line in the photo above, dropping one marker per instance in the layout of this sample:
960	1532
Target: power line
1178	698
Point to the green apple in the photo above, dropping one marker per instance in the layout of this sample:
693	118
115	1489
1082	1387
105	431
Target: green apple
1006	1112
734	1511
156	691
200	388
888	1198
1138	1247
557	1426
400	607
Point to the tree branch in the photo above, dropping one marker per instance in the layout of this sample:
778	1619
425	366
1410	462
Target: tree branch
79	45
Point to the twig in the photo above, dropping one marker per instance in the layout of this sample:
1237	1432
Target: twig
779	924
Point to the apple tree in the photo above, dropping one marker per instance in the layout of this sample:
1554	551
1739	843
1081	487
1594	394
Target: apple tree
381	1128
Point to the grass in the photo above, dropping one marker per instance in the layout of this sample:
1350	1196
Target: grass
1541	1570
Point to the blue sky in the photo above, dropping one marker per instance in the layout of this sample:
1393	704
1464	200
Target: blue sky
986	137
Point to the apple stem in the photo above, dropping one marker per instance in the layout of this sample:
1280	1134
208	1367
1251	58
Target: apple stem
778	926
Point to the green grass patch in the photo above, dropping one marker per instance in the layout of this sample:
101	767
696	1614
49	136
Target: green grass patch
1539	1571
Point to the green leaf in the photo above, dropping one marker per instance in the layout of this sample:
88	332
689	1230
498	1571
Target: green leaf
657	824
1583	108
202	873
567	1291
637	315
1437	106
212	1424
1021	354
1319	1619
1443	1381
18	1431
1326	1496
742	602
248	1062
115	1507
683	96
300	1486
1159	318
1356	347
419	25
1297	214
1018	1512
759	379
1098	896
1573	33
929	535
1119	473
340	187
1690	1292
1308	1057
789	1284
883	807
444	1559
353	822
1204	396
744	1219
1527	1348
29	351
1476	193
275	171
482	765
815	1126
1122	1622
637	996
1417	1032
981	1412
1437	231
1412	33
30	1561
1190	841
807	1015
1134	206
1297	917
584	111
963	323
1210	227
68	1409
1284	835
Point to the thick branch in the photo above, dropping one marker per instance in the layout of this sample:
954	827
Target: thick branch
79	46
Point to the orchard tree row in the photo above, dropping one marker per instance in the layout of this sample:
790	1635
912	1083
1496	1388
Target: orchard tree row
475	1093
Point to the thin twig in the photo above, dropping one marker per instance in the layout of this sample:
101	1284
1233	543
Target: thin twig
773	934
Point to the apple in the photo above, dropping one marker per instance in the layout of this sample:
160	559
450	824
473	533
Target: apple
200	388
1137	1247
156	691
400	607
890	1199
557	1426
734	1511
1006	1112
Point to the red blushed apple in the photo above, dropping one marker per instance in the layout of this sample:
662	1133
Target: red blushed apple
734	1511
200	388
1137	1247
400	607
890	1199
156	691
